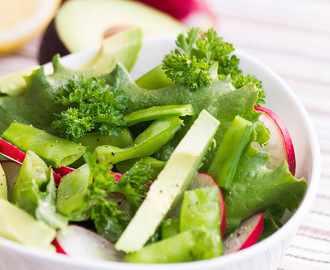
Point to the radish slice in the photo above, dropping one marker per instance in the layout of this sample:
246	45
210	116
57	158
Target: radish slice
58	247
280	145
13	153
206	180
245	235
63	171
117	176
77	241
11	170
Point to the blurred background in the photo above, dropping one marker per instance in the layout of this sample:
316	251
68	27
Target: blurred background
292	37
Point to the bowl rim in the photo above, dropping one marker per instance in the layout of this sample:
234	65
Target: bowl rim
288	227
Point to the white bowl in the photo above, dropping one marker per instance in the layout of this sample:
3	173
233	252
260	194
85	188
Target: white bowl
264	255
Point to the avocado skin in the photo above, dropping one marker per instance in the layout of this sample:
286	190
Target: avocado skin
51	44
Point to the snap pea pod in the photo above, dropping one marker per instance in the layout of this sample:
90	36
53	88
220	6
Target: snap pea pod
32	169
54	150
154	79
147	143
173	249
201	209
191	244
95	139
72	193
224	164
158	112
155	164
35	191
170	227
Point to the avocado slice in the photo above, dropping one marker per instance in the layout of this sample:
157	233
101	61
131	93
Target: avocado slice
81	25
123	47
13	84
3	184
19	226
176	176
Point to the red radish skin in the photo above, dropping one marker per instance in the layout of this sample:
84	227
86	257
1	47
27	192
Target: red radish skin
13	153
79	242
246	235
290	153
206	180
117	176
63	171
10	151
58	247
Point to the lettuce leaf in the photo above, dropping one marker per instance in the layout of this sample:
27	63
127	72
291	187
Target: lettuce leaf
256	188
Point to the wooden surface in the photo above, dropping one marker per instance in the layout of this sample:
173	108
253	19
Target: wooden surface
293	38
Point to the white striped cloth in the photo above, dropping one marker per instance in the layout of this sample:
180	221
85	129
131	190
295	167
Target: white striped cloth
293	38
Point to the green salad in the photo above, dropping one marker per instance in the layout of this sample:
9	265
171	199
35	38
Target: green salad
163	169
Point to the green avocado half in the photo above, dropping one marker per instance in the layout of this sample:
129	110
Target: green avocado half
81	25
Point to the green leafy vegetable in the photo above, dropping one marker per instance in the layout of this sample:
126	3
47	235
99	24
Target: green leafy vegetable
242	79
54	150
190	63
109	221
95	106
35	191
256	188
134	184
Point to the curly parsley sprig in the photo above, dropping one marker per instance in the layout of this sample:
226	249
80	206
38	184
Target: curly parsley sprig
191	62
92	106
108	219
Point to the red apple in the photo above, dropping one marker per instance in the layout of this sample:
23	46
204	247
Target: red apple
76	241
280	145
245	235
206	180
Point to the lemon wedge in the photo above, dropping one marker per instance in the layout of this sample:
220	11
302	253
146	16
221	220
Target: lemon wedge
22	20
